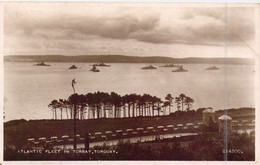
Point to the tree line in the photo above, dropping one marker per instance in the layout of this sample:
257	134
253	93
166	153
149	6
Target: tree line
112	105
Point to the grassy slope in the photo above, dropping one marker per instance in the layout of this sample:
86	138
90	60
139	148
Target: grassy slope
17	132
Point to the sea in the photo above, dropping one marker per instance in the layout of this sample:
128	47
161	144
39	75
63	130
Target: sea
28	89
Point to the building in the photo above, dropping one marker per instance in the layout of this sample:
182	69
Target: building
225	124
208	117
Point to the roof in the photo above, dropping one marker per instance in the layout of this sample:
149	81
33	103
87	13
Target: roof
209	111
225	117
54	137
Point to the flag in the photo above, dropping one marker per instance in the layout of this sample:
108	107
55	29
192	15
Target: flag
72	84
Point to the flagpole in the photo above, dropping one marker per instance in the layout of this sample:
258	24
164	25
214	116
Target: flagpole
74	119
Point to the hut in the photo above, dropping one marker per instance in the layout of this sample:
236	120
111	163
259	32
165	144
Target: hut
31	141
109	133
119	132
150	129
129	131
139	130
165	130
196	127
134	133
225	123
113	135
98	134
170	126
103	137
160	128
42	140
180	126
208	117
53	139
185	128
176	130
190	125
36	143
65	137
77	136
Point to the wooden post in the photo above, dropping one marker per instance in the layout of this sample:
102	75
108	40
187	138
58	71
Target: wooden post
87	141
74	130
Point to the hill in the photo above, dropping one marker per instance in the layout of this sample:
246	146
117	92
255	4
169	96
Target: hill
125	59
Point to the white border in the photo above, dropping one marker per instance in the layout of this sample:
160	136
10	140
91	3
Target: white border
195	2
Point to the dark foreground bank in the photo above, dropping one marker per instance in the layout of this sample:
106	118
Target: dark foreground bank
17	132
240	147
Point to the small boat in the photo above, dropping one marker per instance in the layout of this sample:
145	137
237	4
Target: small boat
180	69
73	67
213	68
149	67
102	65
41	64
94	69
170	65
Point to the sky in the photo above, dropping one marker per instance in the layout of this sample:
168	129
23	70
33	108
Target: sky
137	29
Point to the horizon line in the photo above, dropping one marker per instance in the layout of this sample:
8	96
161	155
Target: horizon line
131	56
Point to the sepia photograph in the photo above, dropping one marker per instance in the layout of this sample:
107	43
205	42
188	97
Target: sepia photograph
150	81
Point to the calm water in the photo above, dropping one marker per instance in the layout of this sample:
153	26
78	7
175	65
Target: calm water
29	89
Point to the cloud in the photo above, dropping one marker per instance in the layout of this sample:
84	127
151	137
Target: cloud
239	23
67	30
115	27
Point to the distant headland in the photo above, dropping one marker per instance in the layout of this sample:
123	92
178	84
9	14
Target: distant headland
126	59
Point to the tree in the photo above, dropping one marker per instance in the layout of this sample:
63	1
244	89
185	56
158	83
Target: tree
169	99
91	106
165	104
116	101
188	102
97	104
82	103
54	105
178	102
182	99
61	106
128	101
106	104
